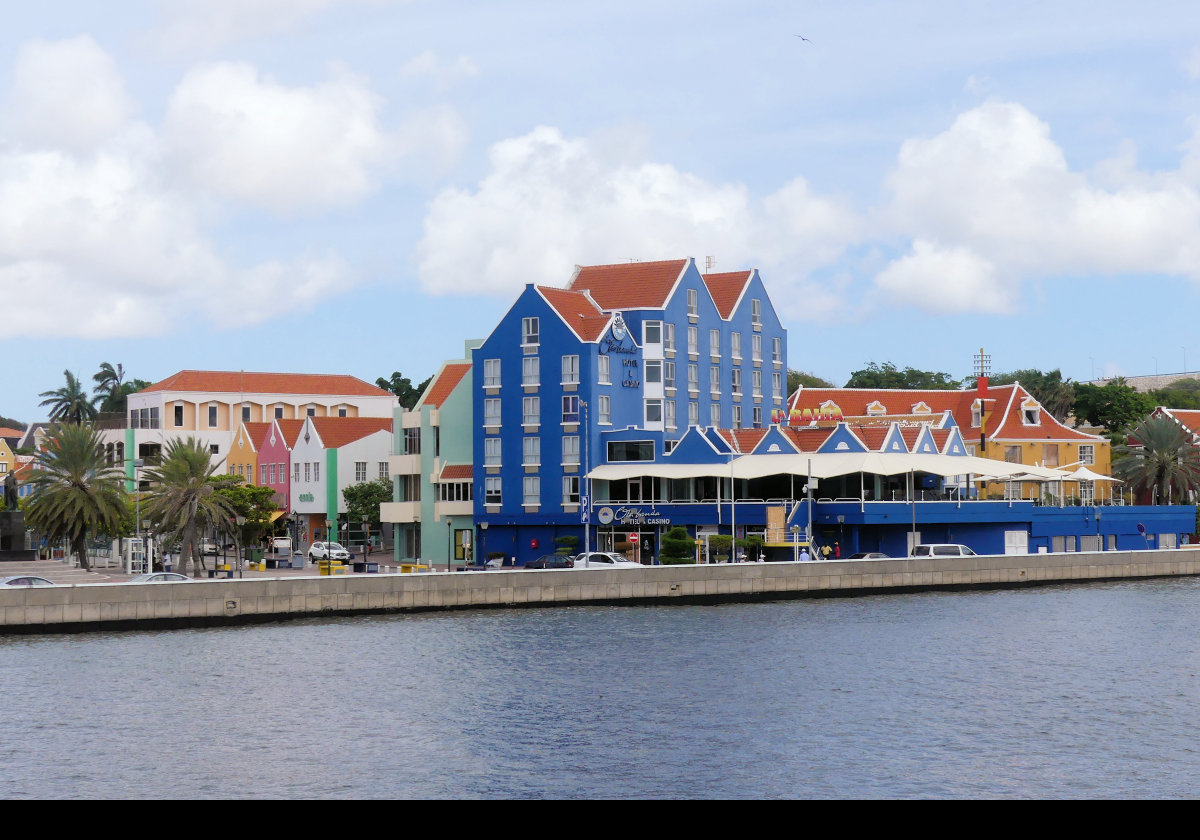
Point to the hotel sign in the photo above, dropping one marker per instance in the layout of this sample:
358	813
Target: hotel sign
631	516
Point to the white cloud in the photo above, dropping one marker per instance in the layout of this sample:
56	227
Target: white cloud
549	202
996	186
443	76
944	280
66	94
1191	64
247	137
99	241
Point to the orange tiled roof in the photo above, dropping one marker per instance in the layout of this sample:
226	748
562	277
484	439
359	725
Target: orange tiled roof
999	419
726	288
248	382
808	439
336	432
290	429
580	312
872	435
256	433
629	285
743	440
5	431
456	472
1186	417
447	380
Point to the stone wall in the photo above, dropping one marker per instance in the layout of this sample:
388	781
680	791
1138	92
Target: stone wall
111	606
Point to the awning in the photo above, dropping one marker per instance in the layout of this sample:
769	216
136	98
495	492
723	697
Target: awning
276	514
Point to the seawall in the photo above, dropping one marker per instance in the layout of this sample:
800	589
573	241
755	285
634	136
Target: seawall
152	606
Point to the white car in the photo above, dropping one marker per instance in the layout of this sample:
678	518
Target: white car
210	547
325	551
941	550
604	560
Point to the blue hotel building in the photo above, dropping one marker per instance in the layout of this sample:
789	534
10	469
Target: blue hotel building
613	368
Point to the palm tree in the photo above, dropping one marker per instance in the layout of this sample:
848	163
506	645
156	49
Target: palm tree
69	403
75	491
1163	463
183	502
109	382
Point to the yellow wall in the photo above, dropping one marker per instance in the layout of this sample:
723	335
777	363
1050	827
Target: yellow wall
242	454
7	461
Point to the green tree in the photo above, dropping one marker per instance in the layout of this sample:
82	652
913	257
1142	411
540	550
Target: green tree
1182	393
70	403
402	387
109	381
253	502
1115	405
887	375
183	503
1057	395
1163	462
76	493
364	498
677	547
12	424
796	378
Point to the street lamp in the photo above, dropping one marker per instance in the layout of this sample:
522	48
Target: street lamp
138	463
483	526
366	523
328	551
241	521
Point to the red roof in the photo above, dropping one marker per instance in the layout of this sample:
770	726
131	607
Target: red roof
726	289
1002	421
743	440
248	382
290	429
336	432
5	431
579	311
456	472
629	285
445	383
257	433
1186	417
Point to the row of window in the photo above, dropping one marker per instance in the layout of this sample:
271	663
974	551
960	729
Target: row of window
1087	454
147	418
531	487
531	410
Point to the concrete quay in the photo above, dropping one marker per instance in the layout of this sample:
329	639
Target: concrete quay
112	605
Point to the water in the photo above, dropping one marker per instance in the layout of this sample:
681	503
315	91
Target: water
1082	691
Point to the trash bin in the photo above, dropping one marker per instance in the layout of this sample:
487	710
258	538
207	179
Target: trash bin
298	560
360	567
253	555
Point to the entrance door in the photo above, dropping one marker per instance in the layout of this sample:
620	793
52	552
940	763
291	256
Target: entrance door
1016	542
635	489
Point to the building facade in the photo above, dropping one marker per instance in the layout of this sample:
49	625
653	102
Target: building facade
615	367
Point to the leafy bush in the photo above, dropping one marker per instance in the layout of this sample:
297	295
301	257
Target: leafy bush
677	547
566	545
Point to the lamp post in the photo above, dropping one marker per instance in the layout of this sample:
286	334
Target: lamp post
328	550
366	523
483	526
449	542
241	521
138	463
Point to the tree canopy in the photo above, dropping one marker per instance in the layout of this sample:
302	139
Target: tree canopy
183	502
887	375
402	387
1182	393
796	378
70	403
364	498
1115	405
1163	463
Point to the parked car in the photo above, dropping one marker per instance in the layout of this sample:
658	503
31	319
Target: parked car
161	577
208	546
327	550
551	561
25	580
868	555
941	550
604	560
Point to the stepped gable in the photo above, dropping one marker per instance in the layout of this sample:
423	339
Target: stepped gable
635	285
726	289
336	432
445	383
249	382
578	311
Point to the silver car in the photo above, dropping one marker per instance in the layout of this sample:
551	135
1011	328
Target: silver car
604	560
161	577
25	580
327	550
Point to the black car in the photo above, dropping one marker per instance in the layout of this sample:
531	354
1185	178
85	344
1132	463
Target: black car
551	561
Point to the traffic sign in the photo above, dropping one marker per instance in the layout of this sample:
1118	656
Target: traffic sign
633	538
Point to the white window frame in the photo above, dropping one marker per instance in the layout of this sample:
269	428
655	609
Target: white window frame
491	373
531	411
669	337
756	347
531	370
570	370
531	335
693	413
777	350
737	417
653	410
570	485
492	490
569	400
649	327
735	345
735	381
1087	454
756	312
491	451
714	342
604	369
491	412
570	450
693	302
531	451
694	340
531	491
714	380
654	371
714	415
604	410
669	413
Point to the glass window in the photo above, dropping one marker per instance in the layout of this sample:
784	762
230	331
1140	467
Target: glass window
735	345
491	490
570	485
212	415
531	370
756	312
737	380
360	471
1087	453
383	470
570	370
714	379
273	474
278	412
178	415
714	415
654	411
491	414
570	445
756	347
693	339
693	413
262	473
714	342
307	470
669	413
669	374
693	377
570	409
756	380
530	332
693	302
295	477
652	332
316	470
531	411
777	350
532	454
491	452
776	384
245	414
737	417
668	336
533	490
630	450
605	410
1012	454
604	371
491	373
654	371
757	417
412	438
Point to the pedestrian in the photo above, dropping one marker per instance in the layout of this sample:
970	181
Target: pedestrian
826	551
837	551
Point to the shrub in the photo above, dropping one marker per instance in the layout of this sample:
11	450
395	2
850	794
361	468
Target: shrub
677	547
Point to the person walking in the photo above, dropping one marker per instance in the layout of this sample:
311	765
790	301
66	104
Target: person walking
826	551
837	551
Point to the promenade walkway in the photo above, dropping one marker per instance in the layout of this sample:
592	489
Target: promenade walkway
65	572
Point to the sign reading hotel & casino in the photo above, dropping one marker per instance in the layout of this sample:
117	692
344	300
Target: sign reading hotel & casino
630	516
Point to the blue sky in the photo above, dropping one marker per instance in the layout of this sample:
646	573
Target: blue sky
357	186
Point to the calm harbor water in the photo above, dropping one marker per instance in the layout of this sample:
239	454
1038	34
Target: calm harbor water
1081	691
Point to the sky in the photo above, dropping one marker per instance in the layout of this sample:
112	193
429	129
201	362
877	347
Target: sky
359	186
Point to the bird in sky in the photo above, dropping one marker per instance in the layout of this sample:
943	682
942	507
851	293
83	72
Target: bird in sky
802	38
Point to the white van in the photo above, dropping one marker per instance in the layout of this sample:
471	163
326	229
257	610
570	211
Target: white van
941	550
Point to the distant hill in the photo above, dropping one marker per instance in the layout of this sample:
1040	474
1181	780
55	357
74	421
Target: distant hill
9	423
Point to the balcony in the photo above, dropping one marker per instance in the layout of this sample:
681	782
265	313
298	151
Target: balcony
404	465
400	512
442	509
